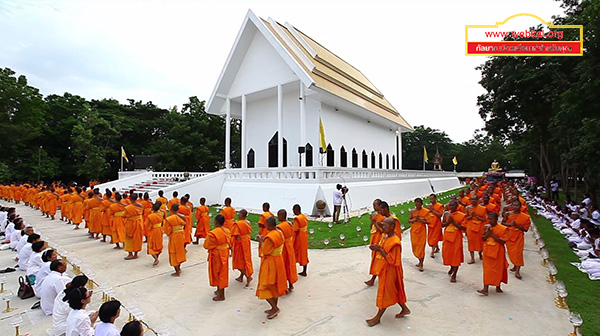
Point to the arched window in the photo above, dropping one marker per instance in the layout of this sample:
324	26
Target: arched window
387	161
330	156
309	155
354	158
273	148
365	159
343	157
393	161
380	161
372	160
250	158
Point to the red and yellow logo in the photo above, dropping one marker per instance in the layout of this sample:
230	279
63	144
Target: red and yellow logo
490	40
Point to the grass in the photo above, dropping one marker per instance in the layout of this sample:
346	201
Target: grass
584	293
352	236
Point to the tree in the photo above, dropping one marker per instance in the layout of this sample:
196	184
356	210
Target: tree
432	139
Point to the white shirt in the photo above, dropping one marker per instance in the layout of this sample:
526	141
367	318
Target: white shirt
22	242
53	284
337	197
60	312
35	263
79	323
3	216
587	201
15	238
40	277
10	228
24	255
106	329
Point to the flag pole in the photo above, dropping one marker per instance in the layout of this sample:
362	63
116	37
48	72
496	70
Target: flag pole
121	155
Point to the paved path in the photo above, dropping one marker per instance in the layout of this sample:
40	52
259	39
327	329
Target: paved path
332	300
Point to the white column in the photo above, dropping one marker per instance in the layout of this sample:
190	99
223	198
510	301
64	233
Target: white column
302	121
243	153
279	125
399	157
227	133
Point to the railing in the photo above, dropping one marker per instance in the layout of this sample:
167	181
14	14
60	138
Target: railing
180	175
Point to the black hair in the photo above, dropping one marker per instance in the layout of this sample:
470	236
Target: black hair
132	328
55	264
384	205
175	193
156	206
108	310
174	207
75	297
47	254
338	186
78	281
220	219
33	237
37	246
418	199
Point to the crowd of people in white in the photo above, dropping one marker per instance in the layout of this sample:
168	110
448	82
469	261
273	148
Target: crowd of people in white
59	295
579	223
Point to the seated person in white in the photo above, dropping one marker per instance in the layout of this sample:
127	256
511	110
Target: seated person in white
53	284
108	313
79	323
23	241
16	236
61	309
35	260
26	251
48	256
133	328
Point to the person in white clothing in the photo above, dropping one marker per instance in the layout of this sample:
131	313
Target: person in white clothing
16	236
26	251
35	260
23	241
53	284
48	256
3	216
79	323
61	309
108	313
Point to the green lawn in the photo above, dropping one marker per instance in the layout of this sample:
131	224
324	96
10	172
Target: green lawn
584	294
352	236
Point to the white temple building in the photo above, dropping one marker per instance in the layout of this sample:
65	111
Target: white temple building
282	84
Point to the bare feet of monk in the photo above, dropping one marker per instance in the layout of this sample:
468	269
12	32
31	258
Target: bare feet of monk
405	311
420	268
499	290
273	314
248	279
470	262
195	243
453	278
450	271
240	278
373	322
513	269
218	298
176	274
518	276
370	282
155	262
302	274
433	256
290	289
483	291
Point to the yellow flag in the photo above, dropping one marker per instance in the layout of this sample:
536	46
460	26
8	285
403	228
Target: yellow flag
322	142
455	161
124	155
425	158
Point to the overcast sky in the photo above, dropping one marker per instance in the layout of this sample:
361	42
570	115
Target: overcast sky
167	51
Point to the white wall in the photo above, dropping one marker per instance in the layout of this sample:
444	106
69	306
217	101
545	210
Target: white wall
126	181
208	186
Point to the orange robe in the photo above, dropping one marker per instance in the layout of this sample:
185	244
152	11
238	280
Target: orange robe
241	256
163	203
494	258
66	209
390	289
187	213
301	239
516	238
86	211
153	225
95	215
77	210
376	238
452	246
229	214
146	212
117	223
475	228
262	230
134	228
51	203
106	218
174	228
434	234
271	278
418	232
217	243
202	221
289	255
172	201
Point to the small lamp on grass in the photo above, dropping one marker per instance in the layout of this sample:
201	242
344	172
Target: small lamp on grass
366	240
330	225
545	256
358	230
551	272
561	291
326	242
342	239
576	321
311	231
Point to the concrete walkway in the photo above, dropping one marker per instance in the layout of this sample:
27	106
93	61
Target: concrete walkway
332	300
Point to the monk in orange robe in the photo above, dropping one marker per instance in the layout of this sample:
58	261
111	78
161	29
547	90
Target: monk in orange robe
262	222
187	213
18	194
77	210
229	213
202	220
154	227
52	199
174	200
494	255
476	219
174	227
117	222
163	201
64	212
95	214
272	276
300	238
434	233
384	210
146	202
134	228
86	210
418	231
391	278
289	255
518	223
217	243
376	238
454	223
106	215
241	257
